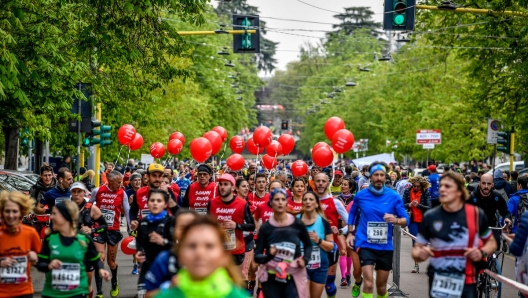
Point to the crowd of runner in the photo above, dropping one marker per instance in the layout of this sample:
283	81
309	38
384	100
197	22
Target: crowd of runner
207	231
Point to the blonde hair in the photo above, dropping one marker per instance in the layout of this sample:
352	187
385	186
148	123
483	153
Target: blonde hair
25	202
90	174
422	180
74	212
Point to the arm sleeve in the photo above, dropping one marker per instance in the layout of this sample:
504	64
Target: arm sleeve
517	246
126	209
260	257
513	205
92	256
185	200
44	257
305	239
94	195
134	209
249	224
102	226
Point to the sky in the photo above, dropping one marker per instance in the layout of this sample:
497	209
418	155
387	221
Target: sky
294	9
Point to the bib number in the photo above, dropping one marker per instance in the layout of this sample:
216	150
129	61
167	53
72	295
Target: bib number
15	274
109	216
231	240
285	252
61	199
67	277
202	211
315	259
145	213
377	232
447	285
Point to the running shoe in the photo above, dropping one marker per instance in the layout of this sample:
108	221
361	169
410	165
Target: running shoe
135	269
349	282
343	283
416	269
99	296
114	292
356	289
251	287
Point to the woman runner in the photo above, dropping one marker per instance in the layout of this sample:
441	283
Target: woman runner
296	202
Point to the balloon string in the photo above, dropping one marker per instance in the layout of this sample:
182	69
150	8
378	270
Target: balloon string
165	163
223	151
118	154
128	155
333	176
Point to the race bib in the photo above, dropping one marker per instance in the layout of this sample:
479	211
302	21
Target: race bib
285	252
377	232
447	285
67	277
231	240
202	211
61	199
315	259
145	213
15	274
109	216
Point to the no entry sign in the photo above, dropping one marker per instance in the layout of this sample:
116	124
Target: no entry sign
428	136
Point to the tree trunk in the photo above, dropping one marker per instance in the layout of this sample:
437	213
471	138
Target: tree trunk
11	147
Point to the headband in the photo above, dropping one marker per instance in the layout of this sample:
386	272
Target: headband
61	207
204	168
377	167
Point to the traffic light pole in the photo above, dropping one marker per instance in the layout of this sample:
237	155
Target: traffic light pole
97	149
475	10
234	32
512	148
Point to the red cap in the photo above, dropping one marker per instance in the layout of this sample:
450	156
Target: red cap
338	172
431	168
227	177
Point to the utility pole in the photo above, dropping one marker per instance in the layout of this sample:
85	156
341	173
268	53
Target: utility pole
97	149
512	147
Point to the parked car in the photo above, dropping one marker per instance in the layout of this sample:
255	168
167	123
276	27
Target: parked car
517	166
5	186
29	176
17	182
417	172
523	171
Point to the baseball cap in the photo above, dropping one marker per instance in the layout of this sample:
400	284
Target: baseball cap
431	168
78	185
338	172
227	177
155	167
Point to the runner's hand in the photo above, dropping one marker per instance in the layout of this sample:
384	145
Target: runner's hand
273	250
507	221
134	224
390	218
229	224
55	264
140	257
335	230
350	241
424	252
313	237
86	230
7	262
104	274
32	256
301	262
156	238
474	254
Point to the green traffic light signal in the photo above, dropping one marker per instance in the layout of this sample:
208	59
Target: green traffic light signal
400	7
86	142
246	37
504	139
106	134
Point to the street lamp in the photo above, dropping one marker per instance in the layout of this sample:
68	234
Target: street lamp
385	58
402	39
229	64
223	52
447	5
350	83
365	69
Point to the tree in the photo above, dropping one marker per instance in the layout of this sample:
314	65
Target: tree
355	18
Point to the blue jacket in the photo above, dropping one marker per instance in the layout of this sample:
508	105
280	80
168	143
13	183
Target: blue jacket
517	246
53	195
434	190
500	183
513	206
164	267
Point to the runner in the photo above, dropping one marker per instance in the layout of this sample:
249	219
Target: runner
348	188
154	235
345	262
278	250
417	201
110	198
322	242
19	245
57	194
379	207
259	196
65	254
88	215
201	192
45	182
296	203
454	230
135	184
166	264
209	270
234	215
333	210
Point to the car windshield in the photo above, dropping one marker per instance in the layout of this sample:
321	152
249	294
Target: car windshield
32	177
16	182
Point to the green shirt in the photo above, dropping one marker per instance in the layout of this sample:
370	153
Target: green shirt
177	293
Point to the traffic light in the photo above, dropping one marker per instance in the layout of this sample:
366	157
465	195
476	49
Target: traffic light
399	15
284	125
106	134
504	138
246	42
95	132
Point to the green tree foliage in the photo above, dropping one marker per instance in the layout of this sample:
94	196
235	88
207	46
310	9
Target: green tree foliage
357	18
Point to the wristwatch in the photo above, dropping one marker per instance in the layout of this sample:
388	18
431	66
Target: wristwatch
484	254
320	241
165	241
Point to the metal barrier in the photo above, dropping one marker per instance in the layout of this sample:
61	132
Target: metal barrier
394	290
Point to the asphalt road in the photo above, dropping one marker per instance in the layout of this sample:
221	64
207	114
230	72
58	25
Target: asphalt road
413	285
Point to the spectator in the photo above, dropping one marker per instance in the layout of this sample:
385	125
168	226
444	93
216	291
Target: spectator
473	166
513	179
501	185
468	180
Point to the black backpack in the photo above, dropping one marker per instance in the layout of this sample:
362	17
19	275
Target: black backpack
523	205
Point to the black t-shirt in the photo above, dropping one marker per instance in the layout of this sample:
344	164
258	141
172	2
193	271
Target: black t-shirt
491	204
448	234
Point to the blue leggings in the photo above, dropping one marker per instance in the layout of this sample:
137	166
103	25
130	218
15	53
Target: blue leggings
413	229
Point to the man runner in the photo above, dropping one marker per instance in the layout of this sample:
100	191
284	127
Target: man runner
378	207
110	198
201	192
45	182
260	195
57	194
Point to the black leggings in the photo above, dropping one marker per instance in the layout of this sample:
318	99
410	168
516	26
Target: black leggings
274	289
145	266
76	296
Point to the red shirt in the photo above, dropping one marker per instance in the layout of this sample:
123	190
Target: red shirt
293	207
254	201
233	211
198	197
110	203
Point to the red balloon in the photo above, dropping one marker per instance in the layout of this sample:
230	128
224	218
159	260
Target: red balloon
126	134
299	168
221	131
262	136
177	135
237	144
235	162
274	149
124	246
157	150
287	143
342	141
319	145
332	125
253	148
268	162
323	157
175	146
136	143
201	149
215	139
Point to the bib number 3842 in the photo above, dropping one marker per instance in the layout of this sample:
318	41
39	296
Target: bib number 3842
67	277
377	232
447	285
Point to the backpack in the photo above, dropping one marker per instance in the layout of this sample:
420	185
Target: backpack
503	193
523	205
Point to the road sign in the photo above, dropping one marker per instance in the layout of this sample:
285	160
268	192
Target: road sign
428	136
360	146
428	146
493	128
